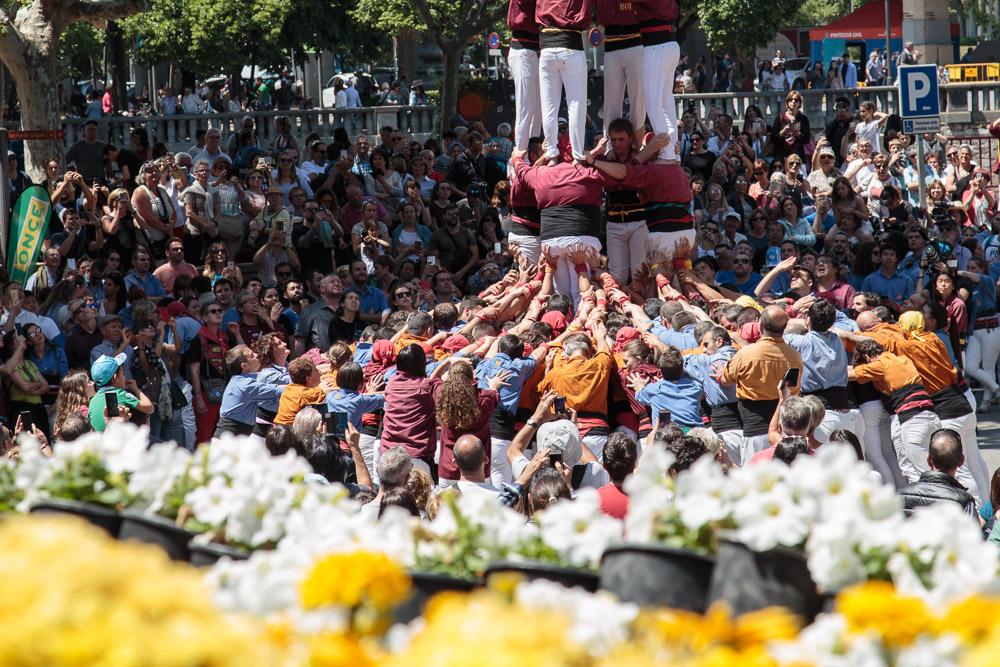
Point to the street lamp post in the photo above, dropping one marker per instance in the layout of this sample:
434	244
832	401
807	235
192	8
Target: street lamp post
888	47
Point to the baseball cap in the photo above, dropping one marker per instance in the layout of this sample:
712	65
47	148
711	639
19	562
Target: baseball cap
102	370
773	257
733	214
563	437
826	150
107	319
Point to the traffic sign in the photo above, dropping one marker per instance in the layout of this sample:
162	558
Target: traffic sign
36	135
596	37
494	40
922	125
918	91
496	52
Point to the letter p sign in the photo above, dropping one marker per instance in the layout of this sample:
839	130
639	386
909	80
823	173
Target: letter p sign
918	91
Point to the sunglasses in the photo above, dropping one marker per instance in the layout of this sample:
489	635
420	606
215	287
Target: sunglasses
213	311
743	260
402	295
283	274
285	161
696	139
952	154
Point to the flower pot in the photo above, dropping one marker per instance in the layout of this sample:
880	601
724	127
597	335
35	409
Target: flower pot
206	555
425	586
98	515
152	529
750	580
655	575
569	577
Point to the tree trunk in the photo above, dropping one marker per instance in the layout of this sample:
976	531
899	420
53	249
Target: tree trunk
119	67
32	66
449	82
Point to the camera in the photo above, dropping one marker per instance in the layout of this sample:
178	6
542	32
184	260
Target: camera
377	172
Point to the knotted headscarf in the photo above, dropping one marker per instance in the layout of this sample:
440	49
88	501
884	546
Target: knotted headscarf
624	336
383	358
912	324
556	320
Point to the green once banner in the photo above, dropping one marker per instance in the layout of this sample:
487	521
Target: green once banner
29	221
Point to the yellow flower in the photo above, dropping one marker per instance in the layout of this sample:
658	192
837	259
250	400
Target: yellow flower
72	596
972	619
354	579
481	629
876	607
694	633
339	650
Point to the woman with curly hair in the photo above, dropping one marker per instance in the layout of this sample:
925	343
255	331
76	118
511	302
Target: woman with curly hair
75	392
463	408
273	353
217	265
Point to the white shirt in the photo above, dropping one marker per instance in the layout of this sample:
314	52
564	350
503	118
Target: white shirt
477	488
191	103
48	326
309	168
872	132
208	157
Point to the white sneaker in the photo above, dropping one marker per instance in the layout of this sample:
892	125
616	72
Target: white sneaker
984	405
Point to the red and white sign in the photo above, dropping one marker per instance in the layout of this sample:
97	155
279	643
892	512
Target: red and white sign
36	135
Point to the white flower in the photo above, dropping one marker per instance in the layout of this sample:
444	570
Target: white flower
598	620
771	517
703	494
578	529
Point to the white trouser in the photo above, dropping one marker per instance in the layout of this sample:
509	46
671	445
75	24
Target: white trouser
981	358
369	444
658	65
751	445
187	415
560	68
913	437
733	442
500	471
851	420
527	96
658	242
595	443
622	67
565	277
877	443
626	248
973	474
531	246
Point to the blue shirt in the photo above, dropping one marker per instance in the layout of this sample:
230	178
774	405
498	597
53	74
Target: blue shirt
292	316
354	404
520	371
150	284
943	337
699	367
187	329
372	300
363	353
681	397
897	287
273	375
824	360
782	283
682	340
52	363
984	297
243	393
231	315
723	277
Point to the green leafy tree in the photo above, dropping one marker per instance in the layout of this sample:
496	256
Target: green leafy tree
353	41
80	48
29	47
744	24
450	23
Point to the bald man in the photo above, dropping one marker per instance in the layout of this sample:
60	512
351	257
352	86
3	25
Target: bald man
470	457
757	371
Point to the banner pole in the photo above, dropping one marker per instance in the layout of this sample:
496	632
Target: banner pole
5	207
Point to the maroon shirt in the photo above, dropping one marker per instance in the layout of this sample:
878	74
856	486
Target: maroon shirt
656	11
574	14
410	414
566	184
521	19
524	213
487	400
616	12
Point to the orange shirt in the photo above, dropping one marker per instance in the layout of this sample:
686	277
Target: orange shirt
407	339
888	373
929	356
757	369
584	382
294	398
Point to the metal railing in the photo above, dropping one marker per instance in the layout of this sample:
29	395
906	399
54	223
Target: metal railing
178	131
960	102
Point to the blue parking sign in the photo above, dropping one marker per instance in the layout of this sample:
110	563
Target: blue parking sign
918	91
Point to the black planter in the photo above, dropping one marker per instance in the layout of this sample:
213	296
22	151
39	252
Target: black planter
654	575
98	515
425	586
567	576
206	555
750	580
155	530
